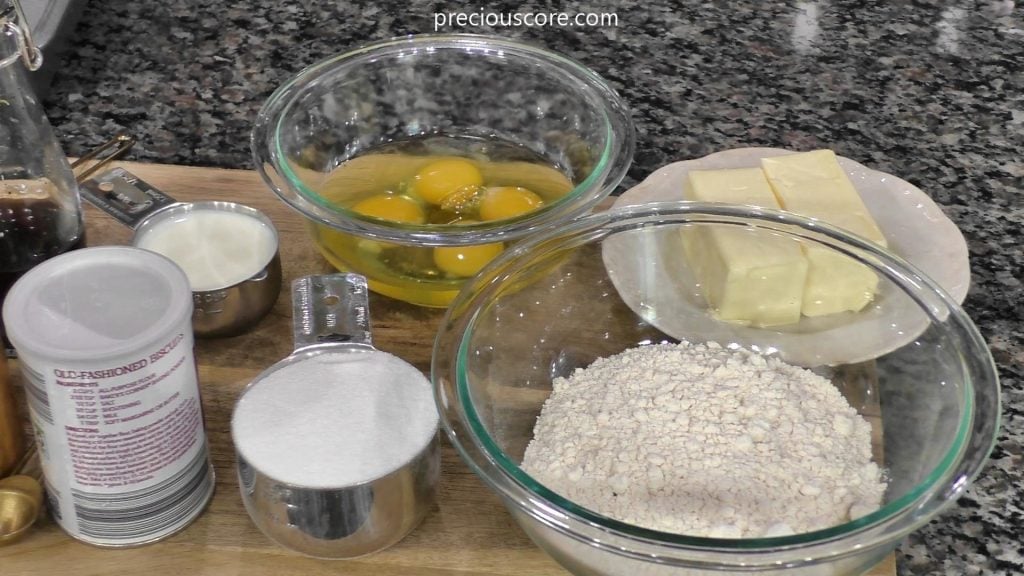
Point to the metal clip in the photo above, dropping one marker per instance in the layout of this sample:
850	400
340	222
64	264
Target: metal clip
105	154
117	191
15	24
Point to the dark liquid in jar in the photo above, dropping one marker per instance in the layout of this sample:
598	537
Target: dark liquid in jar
31	230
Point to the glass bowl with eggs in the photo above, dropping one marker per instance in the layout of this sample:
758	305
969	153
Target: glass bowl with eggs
625	443
418	160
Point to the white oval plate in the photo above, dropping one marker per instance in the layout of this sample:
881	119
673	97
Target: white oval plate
914	226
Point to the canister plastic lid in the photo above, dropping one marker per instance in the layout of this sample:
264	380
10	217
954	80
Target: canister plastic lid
96	302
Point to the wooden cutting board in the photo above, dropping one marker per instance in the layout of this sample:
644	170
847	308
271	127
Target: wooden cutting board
469	531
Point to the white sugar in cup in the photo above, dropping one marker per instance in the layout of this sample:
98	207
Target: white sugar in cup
359	415
337	444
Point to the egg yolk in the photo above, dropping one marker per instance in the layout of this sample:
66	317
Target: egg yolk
508	202
465	260
439	179
392	207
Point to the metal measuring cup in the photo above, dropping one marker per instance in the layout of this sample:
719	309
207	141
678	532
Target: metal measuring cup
231	310
330	316
222	312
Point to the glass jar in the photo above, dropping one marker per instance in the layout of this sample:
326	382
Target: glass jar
40	211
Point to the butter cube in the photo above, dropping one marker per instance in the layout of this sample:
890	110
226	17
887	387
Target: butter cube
813	184
731	186
747	275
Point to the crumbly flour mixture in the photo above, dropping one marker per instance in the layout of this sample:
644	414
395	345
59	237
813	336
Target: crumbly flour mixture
706	441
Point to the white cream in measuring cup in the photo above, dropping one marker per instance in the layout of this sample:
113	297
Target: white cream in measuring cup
228	251
216	248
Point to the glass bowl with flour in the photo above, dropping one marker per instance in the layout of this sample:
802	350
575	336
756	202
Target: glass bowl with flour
622	451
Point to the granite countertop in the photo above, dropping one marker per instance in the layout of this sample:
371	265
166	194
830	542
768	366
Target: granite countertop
929	90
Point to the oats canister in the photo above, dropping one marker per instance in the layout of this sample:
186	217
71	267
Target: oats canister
104	341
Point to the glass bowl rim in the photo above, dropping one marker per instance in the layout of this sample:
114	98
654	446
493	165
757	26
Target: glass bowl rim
474	298
609	170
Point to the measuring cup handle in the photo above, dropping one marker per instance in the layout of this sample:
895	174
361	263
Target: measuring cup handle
124	196
330	309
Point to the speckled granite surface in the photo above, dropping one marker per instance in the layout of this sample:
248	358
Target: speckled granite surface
932	91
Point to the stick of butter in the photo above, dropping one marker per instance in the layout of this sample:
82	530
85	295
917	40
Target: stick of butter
813	184
747	275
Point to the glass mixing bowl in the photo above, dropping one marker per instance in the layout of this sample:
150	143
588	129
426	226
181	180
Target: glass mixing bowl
497	96
919	373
